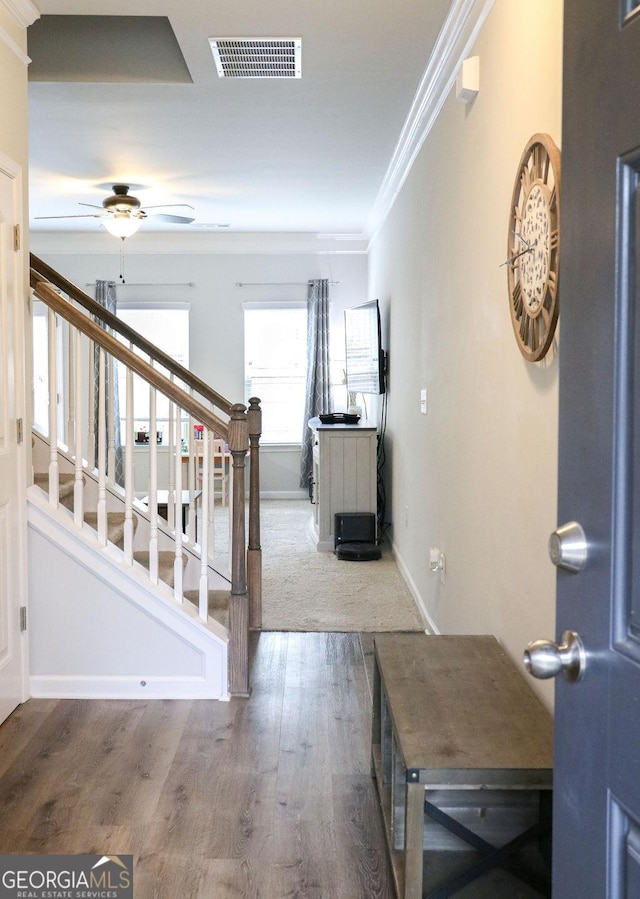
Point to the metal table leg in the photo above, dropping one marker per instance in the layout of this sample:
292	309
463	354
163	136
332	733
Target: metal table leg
414	827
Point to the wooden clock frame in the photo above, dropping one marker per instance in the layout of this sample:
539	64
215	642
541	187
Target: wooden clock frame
533	247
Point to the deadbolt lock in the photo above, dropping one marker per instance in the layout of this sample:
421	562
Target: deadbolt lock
568	547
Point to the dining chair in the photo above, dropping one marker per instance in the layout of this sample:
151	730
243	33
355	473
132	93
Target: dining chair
220	457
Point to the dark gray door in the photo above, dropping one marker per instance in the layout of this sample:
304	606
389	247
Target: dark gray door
597	769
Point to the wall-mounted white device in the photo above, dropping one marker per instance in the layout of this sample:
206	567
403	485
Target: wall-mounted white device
468	80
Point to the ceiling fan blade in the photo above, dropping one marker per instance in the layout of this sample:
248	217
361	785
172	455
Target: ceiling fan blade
88	215
169	205
92	205
172	219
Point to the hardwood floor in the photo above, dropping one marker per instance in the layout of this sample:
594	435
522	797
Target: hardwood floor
267	798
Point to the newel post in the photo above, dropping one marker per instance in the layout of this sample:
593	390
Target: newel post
238	601
254	552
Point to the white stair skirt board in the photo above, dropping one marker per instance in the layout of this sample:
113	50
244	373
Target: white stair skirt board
98	629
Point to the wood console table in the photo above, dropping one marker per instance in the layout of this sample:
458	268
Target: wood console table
162	499
454	713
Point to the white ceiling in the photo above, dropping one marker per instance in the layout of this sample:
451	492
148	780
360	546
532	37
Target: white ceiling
288	155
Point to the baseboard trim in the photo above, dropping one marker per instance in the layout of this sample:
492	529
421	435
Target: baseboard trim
284	494
430	625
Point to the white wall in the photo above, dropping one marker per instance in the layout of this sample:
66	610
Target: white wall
216	322
476	476
13	66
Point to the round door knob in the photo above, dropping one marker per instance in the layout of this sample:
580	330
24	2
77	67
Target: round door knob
544	659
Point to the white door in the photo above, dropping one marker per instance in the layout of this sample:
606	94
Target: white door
12	456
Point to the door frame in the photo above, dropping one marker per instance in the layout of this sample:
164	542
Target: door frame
18	407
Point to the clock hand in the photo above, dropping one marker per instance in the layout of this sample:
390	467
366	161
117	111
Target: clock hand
529	247
512	259
525	242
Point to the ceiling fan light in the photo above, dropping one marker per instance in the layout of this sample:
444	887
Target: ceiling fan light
122	224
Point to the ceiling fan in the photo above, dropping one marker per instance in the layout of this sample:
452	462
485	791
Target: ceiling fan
123	215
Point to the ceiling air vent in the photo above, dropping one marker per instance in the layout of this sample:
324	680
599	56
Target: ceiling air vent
251	57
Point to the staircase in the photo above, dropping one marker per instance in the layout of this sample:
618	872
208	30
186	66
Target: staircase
138	606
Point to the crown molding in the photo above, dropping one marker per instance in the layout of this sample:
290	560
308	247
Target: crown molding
5	38
24	14
23	11
457	37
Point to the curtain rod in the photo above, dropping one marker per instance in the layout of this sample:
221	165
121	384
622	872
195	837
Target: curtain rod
277	283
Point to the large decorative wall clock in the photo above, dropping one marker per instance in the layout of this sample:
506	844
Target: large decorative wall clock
533	248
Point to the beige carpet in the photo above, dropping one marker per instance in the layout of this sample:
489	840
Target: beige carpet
307	590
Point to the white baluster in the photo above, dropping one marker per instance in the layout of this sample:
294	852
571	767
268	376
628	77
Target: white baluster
191	482
153	488
111	454
91	416
54	483
71	398
78	481
211	490
171	472
102	439
177	530
203	587
128	474
223	544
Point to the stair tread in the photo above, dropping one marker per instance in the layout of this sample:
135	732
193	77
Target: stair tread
115	521
166	563
165	557
111	516
66	483
115	525
218	603
63	477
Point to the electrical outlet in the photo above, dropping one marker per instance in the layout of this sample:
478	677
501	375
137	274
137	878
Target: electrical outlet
437	562
423	401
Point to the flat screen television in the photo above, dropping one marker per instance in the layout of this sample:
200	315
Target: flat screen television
365	358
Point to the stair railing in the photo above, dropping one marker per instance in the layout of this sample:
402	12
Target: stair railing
241	432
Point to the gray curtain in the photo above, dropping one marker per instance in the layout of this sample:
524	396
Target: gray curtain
106	297
318	392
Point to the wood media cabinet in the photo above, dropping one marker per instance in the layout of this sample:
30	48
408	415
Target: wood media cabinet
344	475
453	713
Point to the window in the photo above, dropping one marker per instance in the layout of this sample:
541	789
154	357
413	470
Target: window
40	330
275	365
168	328
40	368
